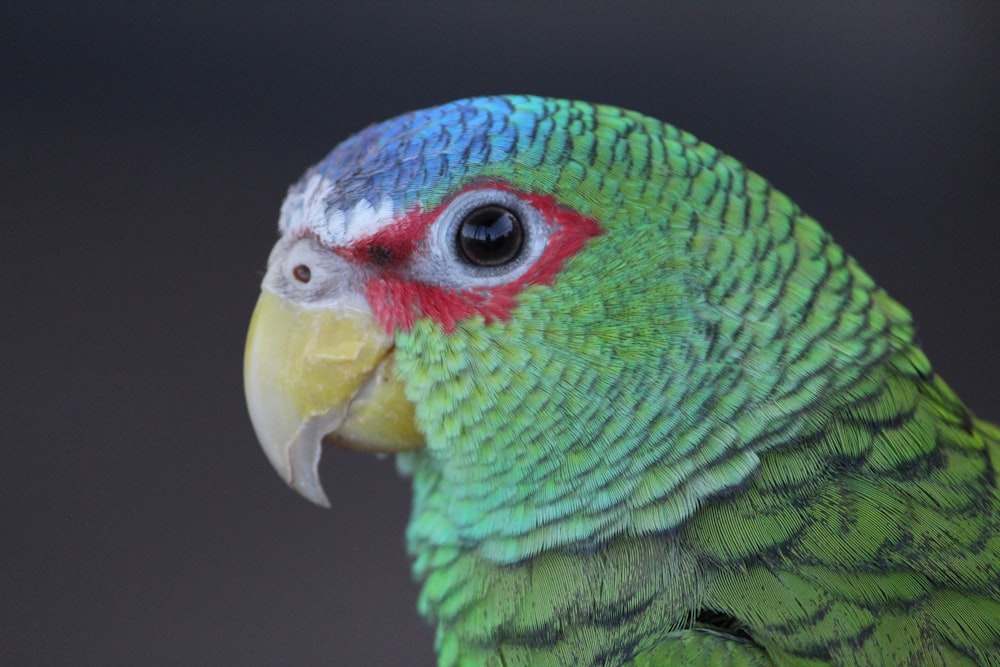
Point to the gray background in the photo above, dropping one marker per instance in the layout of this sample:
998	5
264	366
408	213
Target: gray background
144	154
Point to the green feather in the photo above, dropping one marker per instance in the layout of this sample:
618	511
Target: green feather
711	440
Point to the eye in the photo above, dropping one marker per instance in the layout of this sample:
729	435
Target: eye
483	237
302	273
490	236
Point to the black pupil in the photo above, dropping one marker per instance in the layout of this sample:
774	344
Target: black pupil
490	236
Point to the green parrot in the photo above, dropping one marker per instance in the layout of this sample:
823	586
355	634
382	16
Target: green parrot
653	414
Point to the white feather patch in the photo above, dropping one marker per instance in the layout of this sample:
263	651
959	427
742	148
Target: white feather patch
306	208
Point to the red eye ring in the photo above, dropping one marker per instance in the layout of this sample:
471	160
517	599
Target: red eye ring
302	273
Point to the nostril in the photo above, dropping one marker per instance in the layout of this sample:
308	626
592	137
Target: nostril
302	273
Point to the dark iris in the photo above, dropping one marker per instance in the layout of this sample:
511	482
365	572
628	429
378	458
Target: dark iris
490	236
302	273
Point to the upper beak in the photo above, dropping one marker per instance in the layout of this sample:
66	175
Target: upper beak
314	374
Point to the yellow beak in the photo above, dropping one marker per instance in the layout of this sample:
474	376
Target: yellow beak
315	374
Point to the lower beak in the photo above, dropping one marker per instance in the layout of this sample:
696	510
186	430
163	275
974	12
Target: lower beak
315	374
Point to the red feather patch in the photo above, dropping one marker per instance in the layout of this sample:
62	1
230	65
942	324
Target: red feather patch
398	302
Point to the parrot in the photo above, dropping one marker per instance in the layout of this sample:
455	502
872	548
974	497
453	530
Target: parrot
651	412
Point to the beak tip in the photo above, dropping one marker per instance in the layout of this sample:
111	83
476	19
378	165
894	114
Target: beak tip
301	469
309	487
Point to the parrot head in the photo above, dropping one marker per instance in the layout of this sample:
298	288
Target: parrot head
560	315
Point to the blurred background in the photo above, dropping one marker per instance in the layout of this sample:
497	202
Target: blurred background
144	153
